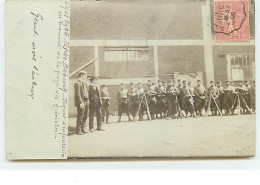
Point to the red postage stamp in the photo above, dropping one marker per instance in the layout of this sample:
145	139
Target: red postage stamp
231	21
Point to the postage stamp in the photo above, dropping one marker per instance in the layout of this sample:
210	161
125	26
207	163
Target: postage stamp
231	21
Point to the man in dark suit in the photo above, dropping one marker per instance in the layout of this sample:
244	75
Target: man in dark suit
81	102
95	104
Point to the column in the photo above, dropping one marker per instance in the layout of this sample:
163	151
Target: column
97	61
208	46
156	63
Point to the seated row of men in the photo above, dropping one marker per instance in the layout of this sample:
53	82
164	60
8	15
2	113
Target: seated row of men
172	100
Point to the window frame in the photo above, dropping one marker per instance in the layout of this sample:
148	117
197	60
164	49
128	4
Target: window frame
127	49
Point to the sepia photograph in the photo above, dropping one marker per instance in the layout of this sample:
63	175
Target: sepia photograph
168	78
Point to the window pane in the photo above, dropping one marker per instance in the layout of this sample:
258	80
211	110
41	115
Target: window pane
240	61
232	61
138	56
236	60
116	56
126	54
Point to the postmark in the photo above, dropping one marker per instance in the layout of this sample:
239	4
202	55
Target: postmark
231	21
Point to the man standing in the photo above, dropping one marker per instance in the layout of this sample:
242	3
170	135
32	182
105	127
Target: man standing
247	94
149	84
213	92
252	96
123	102
95	104
172	92
241	94
179	98
228	99
187	100
200	97
81	102
134	100
151	98
221	95
142	104
160	96
105	103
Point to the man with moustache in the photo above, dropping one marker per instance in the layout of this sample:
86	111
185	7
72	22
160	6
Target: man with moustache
95	104
81	102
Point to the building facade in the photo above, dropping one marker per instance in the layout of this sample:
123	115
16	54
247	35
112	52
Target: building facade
134	41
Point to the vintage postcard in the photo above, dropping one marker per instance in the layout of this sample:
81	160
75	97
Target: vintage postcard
130	79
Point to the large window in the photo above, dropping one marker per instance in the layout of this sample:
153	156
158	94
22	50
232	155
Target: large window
239	67
126	54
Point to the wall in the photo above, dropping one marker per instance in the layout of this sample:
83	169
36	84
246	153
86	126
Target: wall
182	59
80	55
126	69
131	19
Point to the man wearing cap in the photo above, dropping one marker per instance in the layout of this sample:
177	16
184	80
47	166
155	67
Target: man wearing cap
151	98
221	95
213	92
179	97
228	99
81	102
95	104
160	96
187	100
172	92
147	87
242	95
105	97
252	96
200	97
247	87
141	94
133	100
123	102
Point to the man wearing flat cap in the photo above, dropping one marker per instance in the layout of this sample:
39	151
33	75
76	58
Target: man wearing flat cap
81	102
95	104
228	98
105	103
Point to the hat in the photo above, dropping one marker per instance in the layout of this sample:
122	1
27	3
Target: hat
82	72
92	78
198	80
227	81
130	83
211	82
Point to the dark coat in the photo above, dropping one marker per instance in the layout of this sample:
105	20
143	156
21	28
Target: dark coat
94	96
81	92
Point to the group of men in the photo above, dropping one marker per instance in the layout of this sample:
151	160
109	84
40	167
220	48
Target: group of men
169	100
89	100
180	99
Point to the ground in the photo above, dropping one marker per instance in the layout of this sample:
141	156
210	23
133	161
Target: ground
189	137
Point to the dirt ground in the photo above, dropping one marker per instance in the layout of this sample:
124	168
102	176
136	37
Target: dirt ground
190	137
